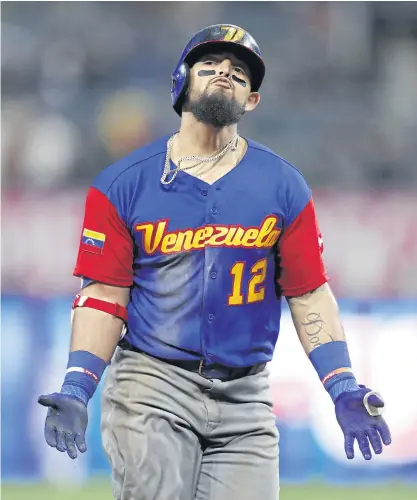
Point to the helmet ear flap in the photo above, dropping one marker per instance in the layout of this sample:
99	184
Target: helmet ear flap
180	83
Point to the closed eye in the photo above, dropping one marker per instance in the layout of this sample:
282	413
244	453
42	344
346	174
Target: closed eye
239	70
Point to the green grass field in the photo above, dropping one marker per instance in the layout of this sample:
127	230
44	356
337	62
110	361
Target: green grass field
101	491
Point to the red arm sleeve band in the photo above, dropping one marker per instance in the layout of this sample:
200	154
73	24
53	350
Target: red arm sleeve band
106	246
301	264
112	308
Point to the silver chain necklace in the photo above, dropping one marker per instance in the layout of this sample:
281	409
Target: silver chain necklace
216	156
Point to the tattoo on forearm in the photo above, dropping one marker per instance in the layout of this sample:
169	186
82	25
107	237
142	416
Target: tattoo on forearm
313	327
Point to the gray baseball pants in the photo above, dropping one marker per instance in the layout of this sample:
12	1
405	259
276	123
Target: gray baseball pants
171	434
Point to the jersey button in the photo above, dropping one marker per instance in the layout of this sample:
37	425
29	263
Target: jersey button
204	192
213	275
214	211
210	317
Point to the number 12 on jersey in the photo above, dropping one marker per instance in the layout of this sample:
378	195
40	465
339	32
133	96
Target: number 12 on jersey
255	291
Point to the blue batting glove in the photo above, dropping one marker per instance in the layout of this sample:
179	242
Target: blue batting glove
354	413
66	423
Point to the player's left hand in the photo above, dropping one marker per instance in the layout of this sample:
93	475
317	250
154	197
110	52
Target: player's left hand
360	418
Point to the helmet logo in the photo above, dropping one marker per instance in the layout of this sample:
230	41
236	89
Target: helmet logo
232	34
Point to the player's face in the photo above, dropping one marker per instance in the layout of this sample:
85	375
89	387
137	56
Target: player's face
220	90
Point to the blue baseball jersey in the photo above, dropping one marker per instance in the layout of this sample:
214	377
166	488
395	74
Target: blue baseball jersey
207	264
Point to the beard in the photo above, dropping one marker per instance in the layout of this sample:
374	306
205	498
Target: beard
214	109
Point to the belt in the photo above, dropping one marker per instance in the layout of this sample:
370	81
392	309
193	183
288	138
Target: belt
206	370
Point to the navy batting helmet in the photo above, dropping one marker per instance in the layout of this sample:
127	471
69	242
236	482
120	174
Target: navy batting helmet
216	38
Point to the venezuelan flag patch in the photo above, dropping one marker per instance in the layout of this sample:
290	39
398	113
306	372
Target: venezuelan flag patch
92	241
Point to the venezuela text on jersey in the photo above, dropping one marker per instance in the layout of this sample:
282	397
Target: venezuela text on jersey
157	238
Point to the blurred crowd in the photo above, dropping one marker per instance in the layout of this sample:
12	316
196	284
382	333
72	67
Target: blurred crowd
84	83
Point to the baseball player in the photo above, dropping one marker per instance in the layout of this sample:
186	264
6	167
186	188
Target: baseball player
187	247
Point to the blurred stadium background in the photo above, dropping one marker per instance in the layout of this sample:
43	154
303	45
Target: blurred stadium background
83	83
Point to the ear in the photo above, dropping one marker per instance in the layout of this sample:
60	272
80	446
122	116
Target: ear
252	101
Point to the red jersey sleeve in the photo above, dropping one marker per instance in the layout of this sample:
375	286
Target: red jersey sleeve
106	246
300	251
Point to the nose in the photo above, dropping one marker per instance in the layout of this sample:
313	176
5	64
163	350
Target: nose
225	68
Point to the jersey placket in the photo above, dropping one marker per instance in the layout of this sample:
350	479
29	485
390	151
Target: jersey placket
211	275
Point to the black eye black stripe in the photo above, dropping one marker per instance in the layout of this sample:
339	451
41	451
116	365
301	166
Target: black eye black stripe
206	72
239	80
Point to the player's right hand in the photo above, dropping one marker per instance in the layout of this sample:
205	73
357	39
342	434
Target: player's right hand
66	423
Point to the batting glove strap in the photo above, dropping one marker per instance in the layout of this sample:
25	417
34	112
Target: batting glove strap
76	392
344	384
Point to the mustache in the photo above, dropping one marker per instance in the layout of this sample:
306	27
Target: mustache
223	79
